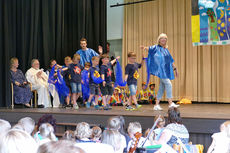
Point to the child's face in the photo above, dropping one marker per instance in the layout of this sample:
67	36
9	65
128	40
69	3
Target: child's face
115	91
95	62
105	60
132	59
152	87
86	68
53	63
67	62
75	61
143	87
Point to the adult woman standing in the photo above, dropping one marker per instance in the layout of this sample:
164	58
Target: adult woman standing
22	93
161	64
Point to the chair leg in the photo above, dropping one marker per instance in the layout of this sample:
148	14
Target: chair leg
12	95
31	102
35	99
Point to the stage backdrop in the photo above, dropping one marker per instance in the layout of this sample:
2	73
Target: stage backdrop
46	29
210	22
203	70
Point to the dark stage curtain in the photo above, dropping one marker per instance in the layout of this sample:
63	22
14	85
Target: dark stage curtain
46	29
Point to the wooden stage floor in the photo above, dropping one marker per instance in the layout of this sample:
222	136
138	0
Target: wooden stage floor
201	120
204	111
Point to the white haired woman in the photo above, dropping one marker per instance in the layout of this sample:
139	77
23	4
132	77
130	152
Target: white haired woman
161	64
83	133
17	141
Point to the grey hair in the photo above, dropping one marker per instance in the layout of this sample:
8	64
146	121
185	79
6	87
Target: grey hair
17	141
134	127
83	130
4	126
33	60
28	124
61	146
114	123
47	131
112	138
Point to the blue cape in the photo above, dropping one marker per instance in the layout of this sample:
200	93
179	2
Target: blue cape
160	62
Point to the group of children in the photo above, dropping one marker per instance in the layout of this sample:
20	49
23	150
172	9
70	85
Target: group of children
95	83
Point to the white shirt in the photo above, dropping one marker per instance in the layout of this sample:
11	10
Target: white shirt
31	76
222	142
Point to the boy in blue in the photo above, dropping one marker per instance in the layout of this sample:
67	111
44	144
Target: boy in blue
87	53
106	86
93	86
75	82
131	76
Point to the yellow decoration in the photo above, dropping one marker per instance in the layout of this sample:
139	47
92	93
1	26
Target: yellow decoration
221	34
218	21
229	19
224	30
184	101
96	74
195	28
136	75
222	24
221	14
218	28
222	1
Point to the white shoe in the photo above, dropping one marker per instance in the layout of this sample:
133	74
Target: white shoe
173	105
157	107
75	106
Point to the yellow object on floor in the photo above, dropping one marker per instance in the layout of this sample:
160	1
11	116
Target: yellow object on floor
184	101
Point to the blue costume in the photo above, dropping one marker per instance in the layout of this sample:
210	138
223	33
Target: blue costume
160	62
86	55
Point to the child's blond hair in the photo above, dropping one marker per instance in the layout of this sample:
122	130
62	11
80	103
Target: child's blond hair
95	58
76	56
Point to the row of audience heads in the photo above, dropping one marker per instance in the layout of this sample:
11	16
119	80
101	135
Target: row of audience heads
14	140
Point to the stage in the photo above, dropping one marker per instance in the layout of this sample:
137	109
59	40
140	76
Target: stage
201	119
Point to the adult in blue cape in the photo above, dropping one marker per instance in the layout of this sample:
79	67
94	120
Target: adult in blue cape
87	53
161	64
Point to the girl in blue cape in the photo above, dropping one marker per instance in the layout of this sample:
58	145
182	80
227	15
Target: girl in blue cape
161	64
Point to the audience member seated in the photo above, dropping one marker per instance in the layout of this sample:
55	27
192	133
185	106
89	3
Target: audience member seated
62	146
17	141
123	131
174	130
96	134
47	118
113	138
69	135
4	126
114	123
45	134
133	129
95	147
39	80
22	92
18	126
28	124
160	126
83	133
221	140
